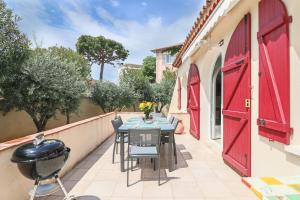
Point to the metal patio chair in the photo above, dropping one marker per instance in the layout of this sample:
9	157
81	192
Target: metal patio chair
116	123
143	143
171	118
154	114
166	139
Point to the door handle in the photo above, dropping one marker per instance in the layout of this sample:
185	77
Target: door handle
247	103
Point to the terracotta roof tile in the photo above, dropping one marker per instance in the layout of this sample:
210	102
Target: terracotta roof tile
204	14
166	47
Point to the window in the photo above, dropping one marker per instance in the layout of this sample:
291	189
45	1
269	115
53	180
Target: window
168	58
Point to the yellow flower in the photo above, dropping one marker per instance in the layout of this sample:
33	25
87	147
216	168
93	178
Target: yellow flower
142	106
149	104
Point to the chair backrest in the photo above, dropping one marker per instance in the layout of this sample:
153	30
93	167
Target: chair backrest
153	114
144	137
119	117
171	119
175	122
116	123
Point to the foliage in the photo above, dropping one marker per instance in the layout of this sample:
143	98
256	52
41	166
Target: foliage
169	75
81	65
13	44
100	50
140	85
66	54
44	84
146	107
111	97
149	68
163	91
174	50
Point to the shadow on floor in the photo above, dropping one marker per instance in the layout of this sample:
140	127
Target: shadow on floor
78	172
145	166
87	197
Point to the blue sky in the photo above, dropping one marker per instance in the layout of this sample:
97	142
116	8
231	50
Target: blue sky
140	25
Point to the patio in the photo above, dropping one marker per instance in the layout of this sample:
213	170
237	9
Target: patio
199	174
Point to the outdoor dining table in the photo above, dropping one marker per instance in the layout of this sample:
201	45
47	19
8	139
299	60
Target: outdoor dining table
137	122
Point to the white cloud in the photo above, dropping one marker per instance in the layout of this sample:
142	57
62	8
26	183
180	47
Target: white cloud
115	3
144	4
139	38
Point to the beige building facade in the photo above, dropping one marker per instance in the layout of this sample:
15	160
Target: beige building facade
206	49
164	59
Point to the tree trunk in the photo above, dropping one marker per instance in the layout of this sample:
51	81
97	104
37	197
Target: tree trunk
101	71
40	127
40	123
67	117
161	107
134	109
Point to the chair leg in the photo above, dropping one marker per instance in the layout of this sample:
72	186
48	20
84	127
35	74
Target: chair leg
154	167
117	148
128	171
158	163
175	151
131	164
113	157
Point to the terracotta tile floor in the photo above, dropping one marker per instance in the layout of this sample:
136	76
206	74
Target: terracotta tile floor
200	174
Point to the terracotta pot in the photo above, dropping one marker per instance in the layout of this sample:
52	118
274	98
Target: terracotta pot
180	128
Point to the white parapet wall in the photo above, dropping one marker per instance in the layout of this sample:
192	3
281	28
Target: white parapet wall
127	115
82	137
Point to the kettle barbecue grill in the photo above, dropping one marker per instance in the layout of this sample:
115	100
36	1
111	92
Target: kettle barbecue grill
40	160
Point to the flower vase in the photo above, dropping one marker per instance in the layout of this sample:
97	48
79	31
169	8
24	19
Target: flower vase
147	116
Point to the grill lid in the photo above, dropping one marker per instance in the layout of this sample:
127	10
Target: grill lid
43	149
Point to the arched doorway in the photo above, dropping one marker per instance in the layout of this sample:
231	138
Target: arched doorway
216	100
193	103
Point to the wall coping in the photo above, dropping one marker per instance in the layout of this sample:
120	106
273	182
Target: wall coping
28	138
178	113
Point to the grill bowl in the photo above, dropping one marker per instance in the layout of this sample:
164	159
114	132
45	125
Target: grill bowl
41	161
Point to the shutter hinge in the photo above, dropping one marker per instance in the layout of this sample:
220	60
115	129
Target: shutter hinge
261	122
259	73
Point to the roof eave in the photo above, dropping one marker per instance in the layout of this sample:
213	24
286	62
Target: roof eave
205	13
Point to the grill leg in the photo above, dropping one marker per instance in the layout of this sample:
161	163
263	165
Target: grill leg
67	197
33	191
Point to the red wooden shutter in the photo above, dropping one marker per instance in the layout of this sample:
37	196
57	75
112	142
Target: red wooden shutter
194	101
237	98
179	94
274	71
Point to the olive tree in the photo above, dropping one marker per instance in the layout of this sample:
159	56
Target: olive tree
79	62
163	91
44	85
140	85
100	50
81	66
111	97
13	44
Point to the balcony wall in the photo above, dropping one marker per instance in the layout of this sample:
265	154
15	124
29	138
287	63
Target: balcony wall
25	125
82	137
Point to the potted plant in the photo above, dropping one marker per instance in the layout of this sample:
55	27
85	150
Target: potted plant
147	108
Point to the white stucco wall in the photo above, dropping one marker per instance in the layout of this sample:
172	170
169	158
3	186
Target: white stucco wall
268	158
